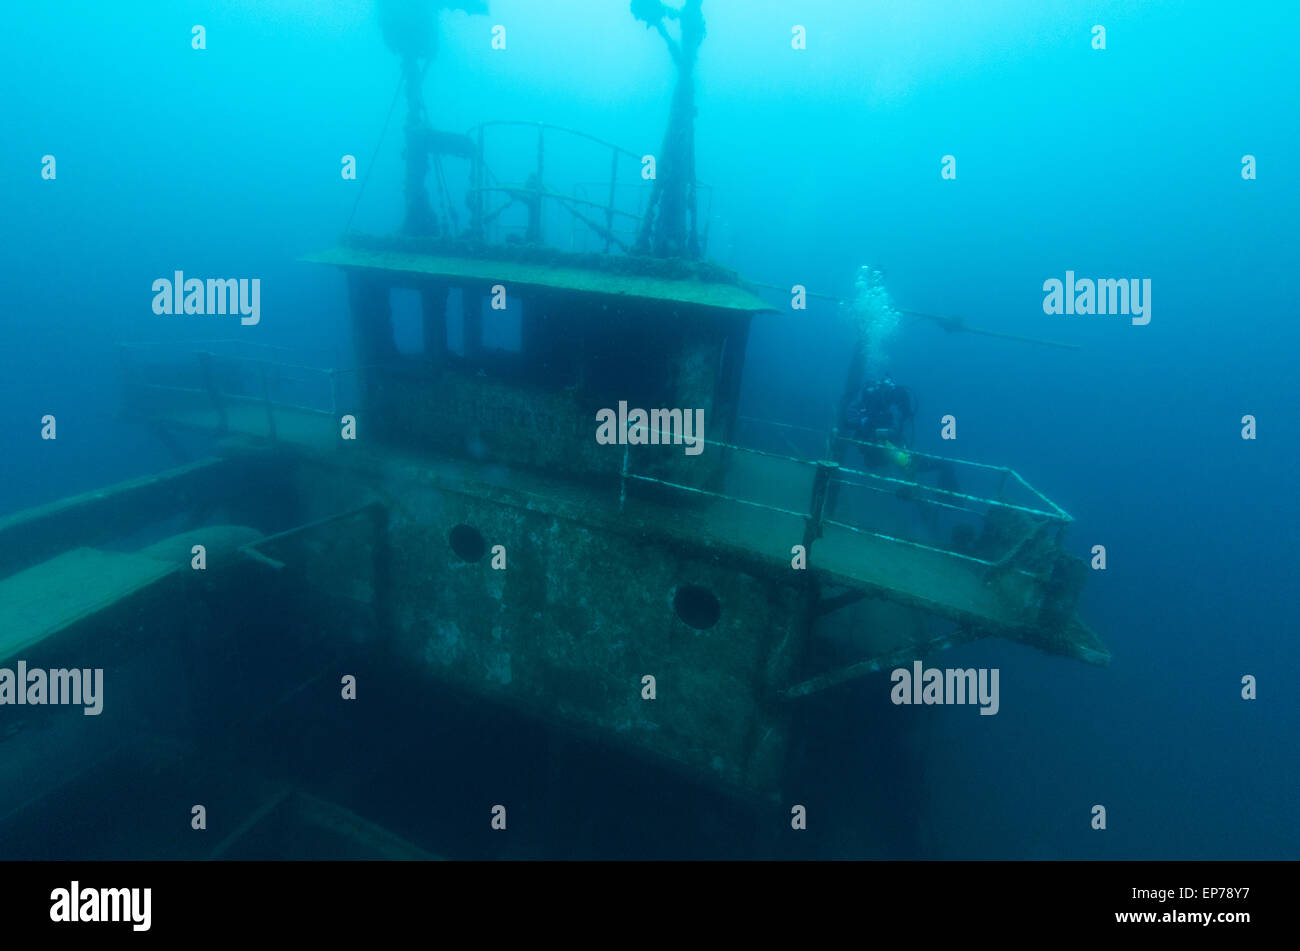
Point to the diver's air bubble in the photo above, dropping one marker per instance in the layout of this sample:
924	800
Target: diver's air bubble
874	317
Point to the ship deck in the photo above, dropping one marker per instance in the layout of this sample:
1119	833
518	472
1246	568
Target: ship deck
754	536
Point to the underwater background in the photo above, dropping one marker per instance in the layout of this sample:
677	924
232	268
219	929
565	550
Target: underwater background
1117	163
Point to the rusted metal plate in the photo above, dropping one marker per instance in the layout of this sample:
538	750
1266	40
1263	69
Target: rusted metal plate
44	600
48	598
92	518
721	296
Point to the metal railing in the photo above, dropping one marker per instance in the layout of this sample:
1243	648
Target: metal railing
822	476
595	206
790	484
1008	479
222	376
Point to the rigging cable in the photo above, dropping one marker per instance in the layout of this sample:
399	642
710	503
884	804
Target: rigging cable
382	135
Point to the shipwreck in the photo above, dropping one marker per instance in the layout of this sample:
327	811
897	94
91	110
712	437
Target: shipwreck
441	506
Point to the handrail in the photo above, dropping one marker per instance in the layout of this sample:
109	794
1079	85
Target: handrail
523	123
514	190
483	180
816	518
141	344
825	471
1057	512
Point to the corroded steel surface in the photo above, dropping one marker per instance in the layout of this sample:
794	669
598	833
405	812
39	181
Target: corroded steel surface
718	295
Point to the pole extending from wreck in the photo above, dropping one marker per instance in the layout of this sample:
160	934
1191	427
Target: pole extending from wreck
419	213
410	30
669	228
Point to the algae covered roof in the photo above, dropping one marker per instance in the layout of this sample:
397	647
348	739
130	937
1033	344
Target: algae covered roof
558	273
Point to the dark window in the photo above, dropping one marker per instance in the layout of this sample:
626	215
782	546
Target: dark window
408	322
534	340
455	322
503	329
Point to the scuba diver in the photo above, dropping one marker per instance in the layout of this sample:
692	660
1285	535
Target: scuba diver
885	414
878	415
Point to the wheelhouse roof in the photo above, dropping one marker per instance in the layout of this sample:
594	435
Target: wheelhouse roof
552	276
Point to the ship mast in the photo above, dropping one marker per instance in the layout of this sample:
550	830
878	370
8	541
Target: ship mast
669	227
410	30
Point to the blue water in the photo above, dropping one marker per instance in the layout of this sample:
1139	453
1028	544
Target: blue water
1123	162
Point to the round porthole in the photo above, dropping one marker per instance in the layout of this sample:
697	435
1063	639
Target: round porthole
467	542
697	607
